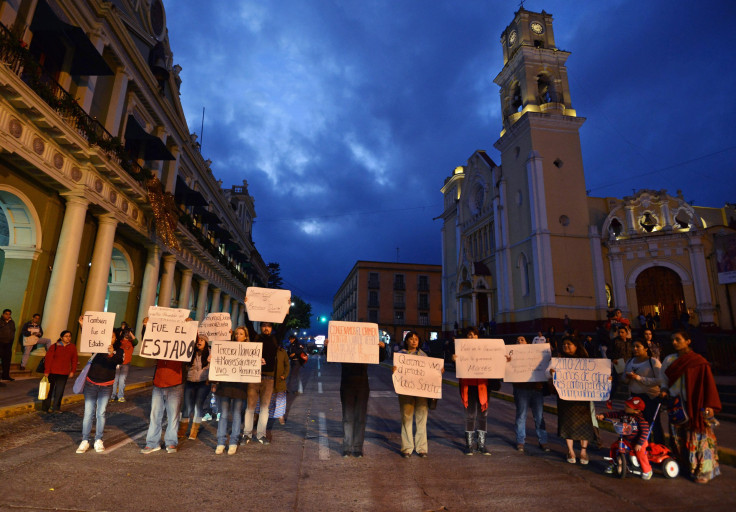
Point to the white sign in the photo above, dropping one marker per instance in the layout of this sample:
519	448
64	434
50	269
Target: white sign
97	328
529	363
168	336
581	379
267	304
352	342
234	361
417	375
216	327
480	358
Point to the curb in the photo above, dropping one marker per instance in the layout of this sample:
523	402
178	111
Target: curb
16	410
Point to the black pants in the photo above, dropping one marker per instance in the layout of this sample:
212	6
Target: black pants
56	392
354	413
6	353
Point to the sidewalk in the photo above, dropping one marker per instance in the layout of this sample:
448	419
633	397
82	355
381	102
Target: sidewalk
20	396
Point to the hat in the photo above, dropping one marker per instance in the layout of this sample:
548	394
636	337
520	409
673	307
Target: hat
635	403
203	336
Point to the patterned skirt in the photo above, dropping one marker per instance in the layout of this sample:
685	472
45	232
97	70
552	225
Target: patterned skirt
277	407
697	451
574	420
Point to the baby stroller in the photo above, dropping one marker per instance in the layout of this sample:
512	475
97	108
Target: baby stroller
624	460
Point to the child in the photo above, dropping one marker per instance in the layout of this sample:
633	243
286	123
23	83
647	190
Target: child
633	414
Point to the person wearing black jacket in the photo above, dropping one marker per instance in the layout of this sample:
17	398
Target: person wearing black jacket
296	361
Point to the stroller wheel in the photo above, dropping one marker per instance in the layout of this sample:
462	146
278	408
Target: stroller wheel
621	466
670	468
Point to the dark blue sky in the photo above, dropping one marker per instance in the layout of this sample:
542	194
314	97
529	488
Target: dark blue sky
346	116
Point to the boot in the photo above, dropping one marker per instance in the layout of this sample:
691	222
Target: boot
195	431
482	443
183	427
469	443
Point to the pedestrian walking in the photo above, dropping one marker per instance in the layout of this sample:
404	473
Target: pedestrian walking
59	366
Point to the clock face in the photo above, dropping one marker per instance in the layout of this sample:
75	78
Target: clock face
536	27
512	38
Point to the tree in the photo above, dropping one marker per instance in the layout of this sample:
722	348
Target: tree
274	276
300	314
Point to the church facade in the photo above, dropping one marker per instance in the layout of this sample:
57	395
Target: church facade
523	245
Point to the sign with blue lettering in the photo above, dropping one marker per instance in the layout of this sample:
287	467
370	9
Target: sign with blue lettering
579	379
418	375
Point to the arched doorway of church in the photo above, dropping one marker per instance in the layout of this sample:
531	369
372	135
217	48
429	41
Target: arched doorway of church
659	291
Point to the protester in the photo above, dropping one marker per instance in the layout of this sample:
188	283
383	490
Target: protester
230	397
654	347
633	414
574	421
31	332
413	408
474	395
526	394
59	365
642	376
539	338
168	388
196	388
261	391
128	342
687	376
7	336
97	391
297	358
277	405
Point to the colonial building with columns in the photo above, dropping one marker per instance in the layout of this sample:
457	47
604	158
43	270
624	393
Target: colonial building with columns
106	203
524	245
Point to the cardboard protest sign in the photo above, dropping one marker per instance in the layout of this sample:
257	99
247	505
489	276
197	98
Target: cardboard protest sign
480	359
581	379
529	363
234	361
97	328
168	335
267	304
216	326
418	375
352	342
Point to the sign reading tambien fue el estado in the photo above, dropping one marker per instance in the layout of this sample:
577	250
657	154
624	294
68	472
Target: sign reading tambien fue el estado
168	335
352	342
418	375
97	329
480	358
580	379
216	326
234	361
267	304
528	363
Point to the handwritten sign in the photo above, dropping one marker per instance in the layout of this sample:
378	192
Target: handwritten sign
267	304
97	327
168	335
529	363
417	375
480	359
234	361
352	342
216	326
580	379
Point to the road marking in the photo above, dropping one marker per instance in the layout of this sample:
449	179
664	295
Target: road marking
126	441
383	394
319	364
319	387
324	441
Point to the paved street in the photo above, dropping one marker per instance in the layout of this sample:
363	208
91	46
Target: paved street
303	469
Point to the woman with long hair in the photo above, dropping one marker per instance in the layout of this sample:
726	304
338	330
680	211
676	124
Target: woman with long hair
196	387
59	365
230	398
413	408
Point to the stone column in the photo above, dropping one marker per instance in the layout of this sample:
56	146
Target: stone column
185	289
63	275
234	313
703	295
166	288
99	271
225	303
202	300
148	286
215	300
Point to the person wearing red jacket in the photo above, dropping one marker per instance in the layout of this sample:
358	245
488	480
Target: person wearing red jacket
168	390
60	364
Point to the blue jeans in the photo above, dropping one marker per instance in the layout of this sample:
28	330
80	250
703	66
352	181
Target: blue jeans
195	394
121	374
168	399
524	398
229	408
95	398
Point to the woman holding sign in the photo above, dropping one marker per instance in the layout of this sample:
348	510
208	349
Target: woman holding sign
574	421
195	387
230	398
413	408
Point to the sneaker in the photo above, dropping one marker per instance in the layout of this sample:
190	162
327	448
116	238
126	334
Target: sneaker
83	447
544	447
263	440
646	476
171	449
218	416
345	454
207	417
358	455
113	399
121	399
220	449
232	449
609	469
406	455
519	447
423	455
150	449
99	447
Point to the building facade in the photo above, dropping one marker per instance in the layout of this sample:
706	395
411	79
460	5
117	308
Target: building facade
522	243
106	202
397	296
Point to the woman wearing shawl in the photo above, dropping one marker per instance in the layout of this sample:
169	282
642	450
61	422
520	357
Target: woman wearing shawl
687	375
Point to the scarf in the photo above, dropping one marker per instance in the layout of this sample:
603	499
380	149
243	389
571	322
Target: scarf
700	387
482	385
